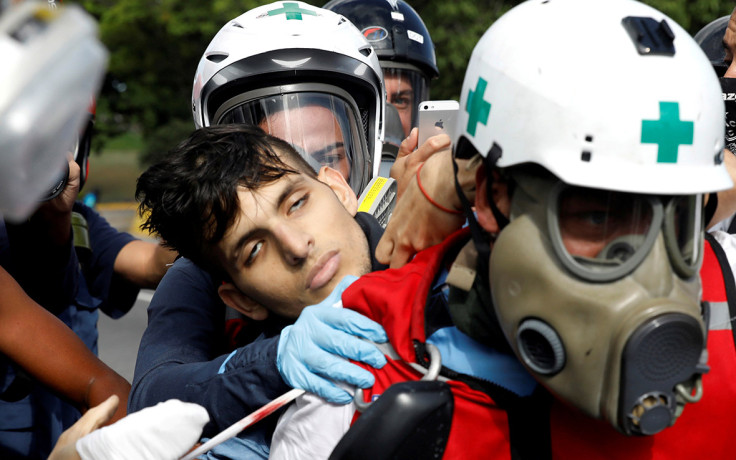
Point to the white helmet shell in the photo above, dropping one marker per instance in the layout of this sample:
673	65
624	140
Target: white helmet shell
604	94
286	44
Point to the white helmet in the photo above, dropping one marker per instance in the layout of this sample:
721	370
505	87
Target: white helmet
290	55
625	102
53	65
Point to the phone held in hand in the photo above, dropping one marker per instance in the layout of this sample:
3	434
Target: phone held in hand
437	117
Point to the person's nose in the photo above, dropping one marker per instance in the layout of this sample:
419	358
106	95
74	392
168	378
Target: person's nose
295	243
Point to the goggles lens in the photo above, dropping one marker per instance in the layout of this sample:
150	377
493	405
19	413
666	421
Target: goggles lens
603	235
601	228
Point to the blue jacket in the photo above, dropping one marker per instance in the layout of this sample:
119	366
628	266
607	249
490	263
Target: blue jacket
31	417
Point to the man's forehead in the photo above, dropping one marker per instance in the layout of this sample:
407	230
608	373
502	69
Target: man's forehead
269	194
396	83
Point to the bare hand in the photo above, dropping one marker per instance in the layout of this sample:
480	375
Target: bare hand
65	448
416	223
408	160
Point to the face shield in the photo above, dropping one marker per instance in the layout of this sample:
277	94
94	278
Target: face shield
598	295
406	88
324	127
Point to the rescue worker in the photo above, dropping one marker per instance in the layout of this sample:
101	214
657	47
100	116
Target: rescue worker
32	338
584	254
36	341
341	72
404	48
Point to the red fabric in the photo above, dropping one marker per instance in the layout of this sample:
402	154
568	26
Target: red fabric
396	299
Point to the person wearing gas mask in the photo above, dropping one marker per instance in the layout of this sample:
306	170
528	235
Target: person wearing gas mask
574	326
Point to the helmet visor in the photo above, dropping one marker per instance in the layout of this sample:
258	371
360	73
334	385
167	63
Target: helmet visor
405	89
323	128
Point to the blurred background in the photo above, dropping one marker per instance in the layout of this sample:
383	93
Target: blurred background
144	107
155	45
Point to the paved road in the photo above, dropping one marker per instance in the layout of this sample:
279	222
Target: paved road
119	338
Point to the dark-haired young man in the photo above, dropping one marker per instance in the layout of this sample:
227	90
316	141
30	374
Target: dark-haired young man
275	237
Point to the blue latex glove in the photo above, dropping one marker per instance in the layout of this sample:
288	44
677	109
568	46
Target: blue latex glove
314	348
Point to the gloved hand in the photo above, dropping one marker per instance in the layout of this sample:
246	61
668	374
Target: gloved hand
167	430
317	346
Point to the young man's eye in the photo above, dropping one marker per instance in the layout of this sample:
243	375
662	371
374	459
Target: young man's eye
400	102
298	203
254	252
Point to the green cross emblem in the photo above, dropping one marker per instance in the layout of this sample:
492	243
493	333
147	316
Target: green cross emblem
669	132
292	11
477	108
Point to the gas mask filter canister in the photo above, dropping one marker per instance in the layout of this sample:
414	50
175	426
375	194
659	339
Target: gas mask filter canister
598	294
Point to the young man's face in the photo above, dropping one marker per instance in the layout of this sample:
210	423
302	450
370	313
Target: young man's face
400	94
293	241
314	130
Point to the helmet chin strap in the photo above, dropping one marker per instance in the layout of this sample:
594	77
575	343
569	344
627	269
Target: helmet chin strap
478	234
482	241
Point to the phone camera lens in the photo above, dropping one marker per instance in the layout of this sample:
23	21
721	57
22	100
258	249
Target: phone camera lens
426	107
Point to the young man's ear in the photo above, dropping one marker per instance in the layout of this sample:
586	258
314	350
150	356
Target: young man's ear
236	300
340	186
500	195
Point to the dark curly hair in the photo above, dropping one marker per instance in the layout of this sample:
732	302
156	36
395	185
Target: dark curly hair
190	197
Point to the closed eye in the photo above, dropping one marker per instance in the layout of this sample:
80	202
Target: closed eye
255	250
298	203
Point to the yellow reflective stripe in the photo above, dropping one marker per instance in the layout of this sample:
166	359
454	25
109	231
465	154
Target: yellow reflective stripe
371	195
720	318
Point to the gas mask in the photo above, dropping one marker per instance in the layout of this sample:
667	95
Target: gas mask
598	294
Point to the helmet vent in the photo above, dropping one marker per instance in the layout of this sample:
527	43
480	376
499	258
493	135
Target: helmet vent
217	57
366	51
585	156
650	36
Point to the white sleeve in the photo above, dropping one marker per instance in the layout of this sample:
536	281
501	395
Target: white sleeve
728	243
310	428
723	225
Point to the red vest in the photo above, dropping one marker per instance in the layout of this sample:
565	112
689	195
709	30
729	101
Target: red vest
396	299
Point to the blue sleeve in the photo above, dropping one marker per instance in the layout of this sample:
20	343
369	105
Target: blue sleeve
48	273
111	293
183	347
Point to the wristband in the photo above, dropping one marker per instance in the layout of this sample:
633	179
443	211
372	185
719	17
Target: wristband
426	195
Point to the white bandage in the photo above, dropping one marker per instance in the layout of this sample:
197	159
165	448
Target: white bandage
165	431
